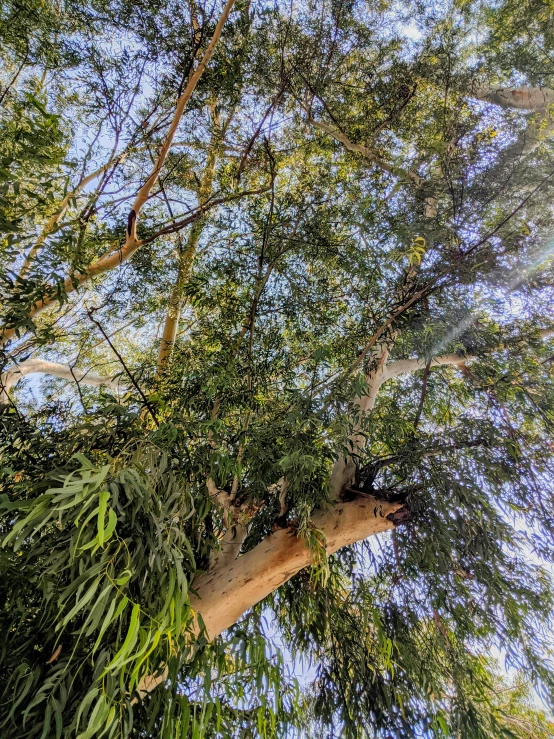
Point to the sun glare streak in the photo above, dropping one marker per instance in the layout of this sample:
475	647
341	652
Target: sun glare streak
543	257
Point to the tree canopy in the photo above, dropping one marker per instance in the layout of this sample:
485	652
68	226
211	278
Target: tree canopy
281	276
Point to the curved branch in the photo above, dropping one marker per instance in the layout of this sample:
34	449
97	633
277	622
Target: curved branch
344	468
112	259
11	376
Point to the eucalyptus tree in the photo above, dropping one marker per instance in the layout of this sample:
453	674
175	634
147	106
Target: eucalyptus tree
282	276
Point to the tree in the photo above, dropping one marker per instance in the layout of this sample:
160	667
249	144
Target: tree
285	275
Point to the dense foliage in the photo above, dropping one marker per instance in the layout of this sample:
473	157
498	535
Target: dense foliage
341	190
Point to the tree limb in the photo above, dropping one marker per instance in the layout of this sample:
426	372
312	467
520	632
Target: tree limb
367	153
222	596
12	375
522	98
405	366
132	243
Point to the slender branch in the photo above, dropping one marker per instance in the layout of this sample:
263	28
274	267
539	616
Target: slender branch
344	469
510	215
372	468
58	215
179	225
405	174
405	366
186	256
143	193
116	257
257	132
13	80
127	370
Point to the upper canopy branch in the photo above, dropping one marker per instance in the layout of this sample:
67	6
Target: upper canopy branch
404	366
116	257
344	468
367	153
535	99
522	98
132	243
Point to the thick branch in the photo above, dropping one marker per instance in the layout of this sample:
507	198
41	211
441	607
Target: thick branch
42	367
539	128
523	98
222	596
344	469
117	257
404	366
236	525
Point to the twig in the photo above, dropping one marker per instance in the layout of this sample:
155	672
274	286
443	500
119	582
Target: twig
120	358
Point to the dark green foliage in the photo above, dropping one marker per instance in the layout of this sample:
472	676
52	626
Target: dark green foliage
324	252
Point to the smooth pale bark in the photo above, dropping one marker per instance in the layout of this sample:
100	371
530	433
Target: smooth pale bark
226	593
65	371
521	98
236	522
344	469
535	99
539	128
55	218
145	190
367	153
173	316
404	366
228	590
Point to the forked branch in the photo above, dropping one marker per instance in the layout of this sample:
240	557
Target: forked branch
132	243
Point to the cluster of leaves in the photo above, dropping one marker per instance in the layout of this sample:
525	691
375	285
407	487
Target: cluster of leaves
106	521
